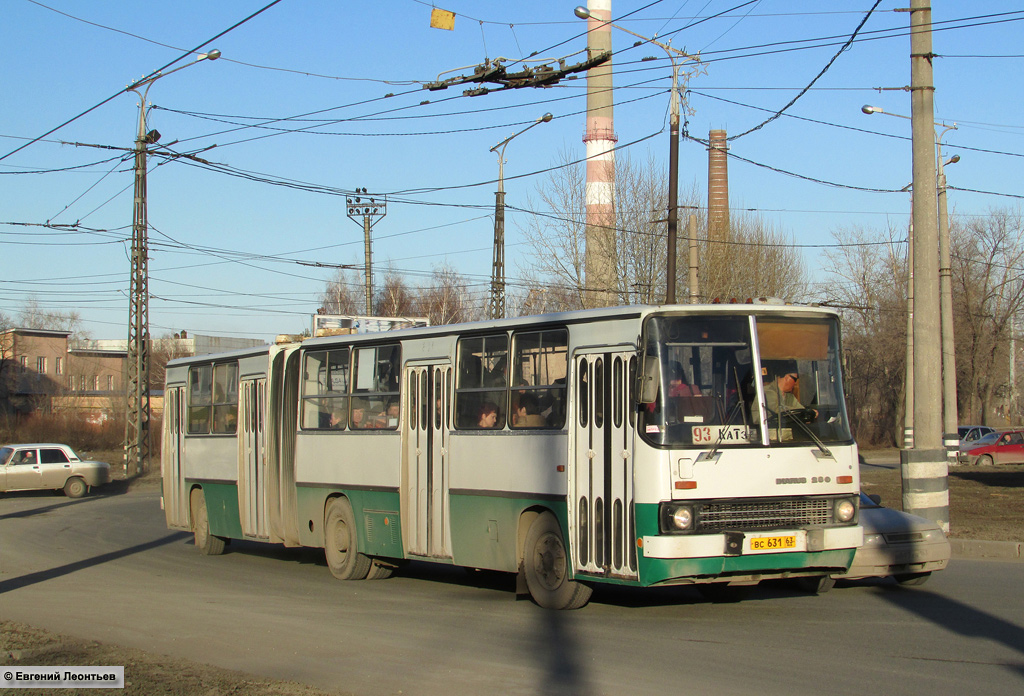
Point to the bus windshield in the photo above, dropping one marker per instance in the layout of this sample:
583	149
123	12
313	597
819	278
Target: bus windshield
698	388
801	381
697	384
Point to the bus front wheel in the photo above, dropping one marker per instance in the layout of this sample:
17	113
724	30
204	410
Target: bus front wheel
341	542
546	566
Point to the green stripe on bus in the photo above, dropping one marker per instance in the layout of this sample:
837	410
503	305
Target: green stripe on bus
222	509
377	518
654	571
485	529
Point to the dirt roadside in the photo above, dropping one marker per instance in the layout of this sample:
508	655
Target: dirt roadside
985	502
145	674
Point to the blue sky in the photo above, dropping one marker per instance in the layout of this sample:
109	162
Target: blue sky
229	254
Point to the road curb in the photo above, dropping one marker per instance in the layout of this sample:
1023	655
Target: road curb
971	548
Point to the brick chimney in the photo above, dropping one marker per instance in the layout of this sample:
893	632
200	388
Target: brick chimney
718	186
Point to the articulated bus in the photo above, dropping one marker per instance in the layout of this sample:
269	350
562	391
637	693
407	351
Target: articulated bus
643	446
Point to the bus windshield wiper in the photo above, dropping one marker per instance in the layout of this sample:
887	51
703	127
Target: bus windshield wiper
740	407
803	426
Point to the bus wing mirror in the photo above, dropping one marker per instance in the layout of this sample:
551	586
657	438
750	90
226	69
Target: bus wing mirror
650	379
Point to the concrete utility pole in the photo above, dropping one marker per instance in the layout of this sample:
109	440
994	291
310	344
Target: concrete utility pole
950	414
692	235
136	437
370	210
496	308
908	400
600	255
924	469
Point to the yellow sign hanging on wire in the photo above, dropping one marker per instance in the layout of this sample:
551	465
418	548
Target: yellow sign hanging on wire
442	19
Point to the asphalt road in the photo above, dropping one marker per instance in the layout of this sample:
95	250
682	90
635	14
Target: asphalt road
106	568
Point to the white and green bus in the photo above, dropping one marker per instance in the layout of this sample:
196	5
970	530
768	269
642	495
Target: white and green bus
642	446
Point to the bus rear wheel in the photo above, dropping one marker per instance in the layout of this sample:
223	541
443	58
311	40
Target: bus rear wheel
341	543
546	566
208	544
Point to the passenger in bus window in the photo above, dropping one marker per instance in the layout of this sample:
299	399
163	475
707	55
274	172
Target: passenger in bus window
677	384
527	413
337	419
487	415
391	415
358	414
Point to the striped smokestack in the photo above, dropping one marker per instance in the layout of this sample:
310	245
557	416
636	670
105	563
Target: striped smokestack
600	139
718	187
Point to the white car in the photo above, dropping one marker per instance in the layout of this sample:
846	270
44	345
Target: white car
42	466
905	547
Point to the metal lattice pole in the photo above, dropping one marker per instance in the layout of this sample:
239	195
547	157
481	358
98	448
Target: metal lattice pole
136	440
136	437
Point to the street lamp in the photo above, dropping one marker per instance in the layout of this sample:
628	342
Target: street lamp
673	153
496	310
136	440
950	418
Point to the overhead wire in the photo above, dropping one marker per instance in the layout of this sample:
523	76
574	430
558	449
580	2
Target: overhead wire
147	77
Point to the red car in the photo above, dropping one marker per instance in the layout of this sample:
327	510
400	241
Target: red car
1007	449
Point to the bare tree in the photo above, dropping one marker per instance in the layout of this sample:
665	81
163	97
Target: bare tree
33	316
556	231
445	300
394	297
343	293
867	282
987	255
757	260
166	348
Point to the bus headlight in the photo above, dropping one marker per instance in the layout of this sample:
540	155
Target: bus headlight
844	510
677	518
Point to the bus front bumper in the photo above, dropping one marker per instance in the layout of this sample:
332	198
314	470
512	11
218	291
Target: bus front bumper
761	555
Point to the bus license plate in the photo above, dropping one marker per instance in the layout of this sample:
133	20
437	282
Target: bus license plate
773	543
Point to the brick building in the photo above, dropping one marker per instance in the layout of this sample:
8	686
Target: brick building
43	370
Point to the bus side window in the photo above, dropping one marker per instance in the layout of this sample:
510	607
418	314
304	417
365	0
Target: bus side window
325	389
481	388
200	398
375	373
541	360
225	398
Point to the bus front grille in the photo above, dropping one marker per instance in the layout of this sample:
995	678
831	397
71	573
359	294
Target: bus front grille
764	515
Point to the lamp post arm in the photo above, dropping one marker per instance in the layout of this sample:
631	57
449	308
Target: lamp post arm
150	79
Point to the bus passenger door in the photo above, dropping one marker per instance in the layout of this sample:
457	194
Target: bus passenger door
252	458
175	499
601	479
425	468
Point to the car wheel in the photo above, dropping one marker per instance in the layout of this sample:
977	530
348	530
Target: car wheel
75	487
912	579
986	460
